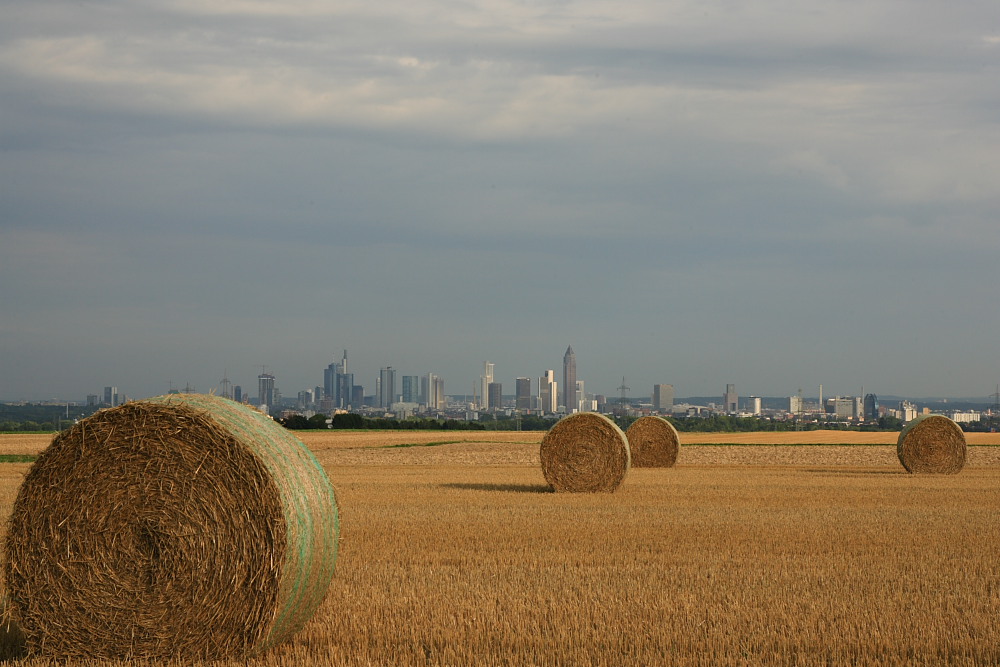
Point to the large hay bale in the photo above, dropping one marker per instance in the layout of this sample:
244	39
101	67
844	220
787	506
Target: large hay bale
183	526
585	452
932	444
653	442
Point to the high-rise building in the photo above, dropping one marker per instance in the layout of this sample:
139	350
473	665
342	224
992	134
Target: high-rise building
845	407
795	404
387	387
304	400
111	396
663	397
484	384
522	394
871	407
754	405
494	395
238	393
434	392
411	389
731	399
569	381
265	392
337	383
548	393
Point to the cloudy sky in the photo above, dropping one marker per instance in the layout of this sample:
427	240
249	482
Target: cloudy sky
777	194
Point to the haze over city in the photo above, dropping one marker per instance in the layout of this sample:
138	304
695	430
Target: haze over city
777	195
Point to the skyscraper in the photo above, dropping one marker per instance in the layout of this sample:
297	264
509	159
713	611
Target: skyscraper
663	397
434	392
731	399
569	381
522	395
494	393
871	407
265	392
485	380
548	393
387	387
337	383
111	396
411	389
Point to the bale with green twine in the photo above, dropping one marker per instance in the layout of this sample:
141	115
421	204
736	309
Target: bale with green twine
932	444
585	452
654	442
182	526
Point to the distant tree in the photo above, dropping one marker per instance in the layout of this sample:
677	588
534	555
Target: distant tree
348	420
890	423
318	421
297	422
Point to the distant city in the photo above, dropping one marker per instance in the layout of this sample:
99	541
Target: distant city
551	396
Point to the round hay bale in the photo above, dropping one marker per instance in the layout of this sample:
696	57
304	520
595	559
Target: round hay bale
932	444
585	452
183	526
653	442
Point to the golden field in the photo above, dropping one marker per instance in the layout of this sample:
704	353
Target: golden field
454	552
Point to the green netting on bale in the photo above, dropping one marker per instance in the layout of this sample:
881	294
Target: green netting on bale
180	526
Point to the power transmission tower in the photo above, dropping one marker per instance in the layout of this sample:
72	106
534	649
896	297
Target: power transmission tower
996	409
624	393
798	412
227	386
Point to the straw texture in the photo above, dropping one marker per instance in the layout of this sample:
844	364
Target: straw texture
653	442
932	444
585	452
182	526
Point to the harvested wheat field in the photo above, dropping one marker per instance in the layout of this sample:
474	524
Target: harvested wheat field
459	553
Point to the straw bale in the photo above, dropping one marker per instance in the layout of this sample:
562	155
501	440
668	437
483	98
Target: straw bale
932	444
585	452
184	526
653	442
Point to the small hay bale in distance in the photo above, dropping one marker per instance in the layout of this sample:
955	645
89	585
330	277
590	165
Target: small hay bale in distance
184	526
585	452
653	442
932	444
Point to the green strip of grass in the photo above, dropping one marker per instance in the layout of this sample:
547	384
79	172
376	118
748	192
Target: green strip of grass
18	458
425	444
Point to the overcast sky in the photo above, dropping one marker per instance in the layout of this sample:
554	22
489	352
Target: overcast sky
776	194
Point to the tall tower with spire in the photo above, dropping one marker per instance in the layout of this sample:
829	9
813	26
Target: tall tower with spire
569	381
485	380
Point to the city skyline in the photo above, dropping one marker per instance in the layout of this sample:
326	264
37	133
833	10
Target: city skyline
772	194
340	386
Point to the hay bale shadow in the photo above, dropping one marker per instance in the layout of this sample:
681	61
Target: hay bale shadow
11	638
855	472
513	488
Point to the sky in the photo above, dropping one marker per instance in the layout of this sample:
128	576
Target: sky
778	194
